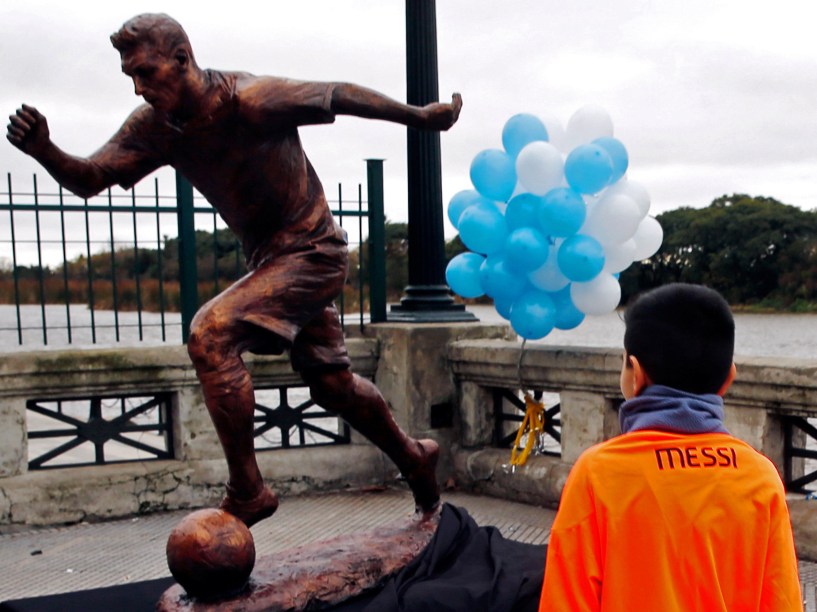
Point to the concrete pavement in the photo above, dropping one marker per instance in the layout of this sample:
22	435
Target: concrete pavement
90	555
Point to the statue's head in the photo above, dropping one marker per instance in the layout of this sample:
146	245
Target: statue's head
157	31
156	54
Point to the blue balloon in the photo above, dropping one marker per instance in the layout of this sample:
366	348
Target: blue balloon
521	130
503	307
588	168
567	315
562	213
523	211
526	249
500	282
482	228
580	258
493	173
533	315
462	275
618	154
461	201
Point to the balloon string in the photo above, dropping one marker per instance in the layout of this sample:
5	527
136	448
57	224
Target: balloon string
519	365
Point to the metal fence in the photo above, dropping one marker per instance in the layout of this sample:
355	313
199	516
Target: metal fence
134	266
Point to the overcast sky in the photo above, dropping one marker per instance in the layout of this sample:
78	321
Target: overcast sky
709	96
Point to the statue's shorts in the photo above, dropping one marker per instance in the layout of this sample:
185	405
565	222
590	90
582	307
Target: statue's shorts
286	303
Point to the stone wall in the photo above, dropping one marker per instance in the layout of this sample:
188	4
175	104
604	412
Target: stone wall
587	381
195	475
408	363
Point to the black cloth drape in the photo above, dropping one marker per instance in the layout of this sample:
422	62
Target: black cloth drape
465	568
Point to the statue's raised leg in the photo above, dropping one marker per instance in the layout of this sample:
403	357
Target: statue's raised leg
360	404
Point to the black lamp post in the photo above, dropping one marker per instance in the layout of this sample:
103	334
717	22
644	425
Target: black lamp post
427	296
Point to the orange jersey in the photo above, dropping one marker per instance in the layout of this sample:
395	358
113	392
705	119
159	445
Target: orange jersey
652	520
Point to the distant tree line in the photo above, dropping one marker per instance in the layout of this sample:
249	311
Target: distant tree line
758	252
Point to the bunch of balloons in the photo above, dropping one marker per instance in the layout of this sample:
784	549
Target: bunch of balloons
551	222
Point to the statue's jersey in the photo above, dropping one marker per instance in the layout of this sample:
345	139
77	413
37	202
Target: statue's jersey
652	520
244	156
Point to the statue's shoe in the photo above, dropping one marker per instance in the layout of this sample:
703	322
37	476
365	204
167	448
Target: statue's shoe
250	511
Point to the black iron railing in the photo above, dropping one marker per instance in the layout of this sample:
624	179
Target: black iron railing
124	267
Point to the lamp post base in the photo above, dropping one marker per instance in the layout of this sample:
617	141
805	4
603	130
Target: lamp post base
429	304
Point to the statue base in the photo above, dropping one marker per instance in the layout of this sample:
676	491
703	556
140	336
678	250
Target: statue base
319	575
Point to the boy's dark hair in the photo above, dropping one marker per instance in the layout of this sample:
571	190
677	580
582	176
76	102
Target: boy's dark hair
683	336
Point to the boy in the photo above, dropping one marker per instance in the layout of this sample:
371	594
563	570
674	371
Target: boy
675	514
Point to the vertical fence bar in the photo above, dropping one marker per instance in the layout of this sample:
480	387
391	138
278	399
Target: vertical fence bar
90	274
342	299
788	459
136	266
159	260
215	252
188	275
40	273
377	241
113	268
360	253
14	273
65	266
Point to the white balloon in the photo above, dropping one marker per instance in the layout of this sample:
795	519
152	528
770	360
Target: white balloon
548	277
556	132
539	167
647	238
613	219
617	258
598	296
636	191
587	124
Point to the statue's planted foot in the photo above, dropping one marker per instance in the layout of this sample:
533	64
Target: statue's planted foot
252	510
423	479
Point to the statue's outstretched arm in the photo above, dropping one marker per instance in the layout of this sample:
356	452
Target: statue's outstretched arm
28	131
349	99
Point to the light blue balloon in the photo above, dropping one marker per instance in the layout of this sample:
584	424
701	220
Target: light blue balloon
462	275
482	228
567	315
499	281
526	249
521	130
618	155
588	168
580	258
523	211
562	212
461	201
533	315
493	173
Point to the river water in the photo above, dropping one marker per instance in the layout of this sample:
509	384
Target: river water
757	335
771	335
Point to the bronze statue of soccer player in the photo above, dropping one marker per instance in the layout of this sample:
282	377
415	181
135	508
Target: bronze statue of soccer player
235	137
